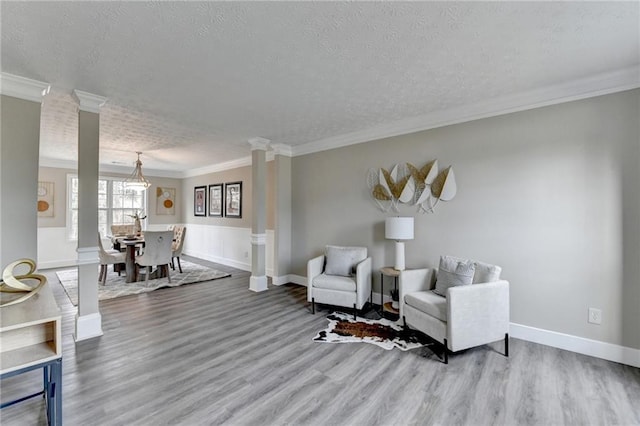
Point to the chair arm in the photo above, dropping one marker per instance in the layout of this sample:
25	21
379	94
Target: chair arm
363	281
413	280
477	314
314	268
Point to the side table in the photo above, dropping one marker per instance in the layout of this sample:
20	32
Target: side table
386	310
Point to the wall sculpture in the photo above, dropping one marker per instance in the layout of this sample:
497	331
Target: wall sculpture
423	187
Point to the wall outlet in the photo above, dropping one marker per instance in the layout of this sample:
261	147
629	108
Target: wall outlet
595	316
246	254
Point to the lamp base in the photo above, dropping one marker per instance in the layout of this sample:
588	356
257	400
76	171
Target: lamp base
399	266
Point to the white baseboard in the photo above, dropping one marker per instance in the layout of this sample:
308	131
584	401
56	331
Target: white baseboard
67	263
298	279
224	261
595	348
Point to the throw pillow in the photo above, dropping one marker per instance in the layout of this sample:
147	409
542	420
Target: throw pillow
486	273
343	260
453	272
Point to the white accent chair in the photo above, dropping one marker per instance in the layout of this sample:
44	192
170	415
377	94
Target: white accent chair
157	251
108	257
340	277
469	316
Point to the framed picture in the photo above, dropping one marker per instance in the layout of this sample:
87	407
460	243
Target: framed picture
233	199
215	199
45	199
200	201
165	201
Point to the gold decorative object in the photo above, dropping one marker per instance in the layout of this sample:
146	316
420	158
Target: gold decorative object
12	284
408	184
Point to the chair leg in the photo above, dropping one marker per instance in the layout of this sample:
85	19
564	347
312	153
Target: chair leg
146	277
355	311
313	306
506	345
179	265
102	274
168	274
172	265
446	352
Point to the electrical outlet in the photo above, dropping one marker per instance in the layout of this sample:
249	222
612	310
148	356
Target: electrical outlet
595	316
246	254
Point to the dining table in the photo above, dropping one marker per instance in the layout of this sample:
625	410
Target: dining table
131	271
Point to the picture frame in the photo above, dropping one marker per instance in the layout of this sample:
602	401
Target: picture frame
165	201
216	199
233	199
200	201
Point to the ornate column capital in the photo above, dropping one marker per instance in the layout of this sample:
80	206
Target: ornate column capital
259	144
89	102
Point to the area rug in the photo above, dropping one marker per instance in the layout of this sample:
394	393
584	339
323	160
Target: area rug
117	287
382	332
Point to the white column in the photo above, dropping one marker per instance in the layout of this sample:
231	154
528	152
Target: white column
282	231
88	318
258	280
19	157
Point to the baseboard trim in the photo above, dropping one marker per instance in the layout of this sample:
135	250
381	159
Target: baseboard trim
595	348
224	261
298	279
58	264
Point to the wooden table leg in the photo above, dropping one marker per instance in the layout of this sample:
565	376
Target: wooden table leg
132	273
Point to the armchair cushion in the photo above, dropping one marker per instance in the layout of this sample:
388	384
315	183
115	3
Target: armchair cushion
343	260
429	303
334	282
453	272
486	273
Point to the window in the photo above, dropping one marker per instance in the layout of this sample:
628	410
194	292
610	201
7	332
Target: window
116	204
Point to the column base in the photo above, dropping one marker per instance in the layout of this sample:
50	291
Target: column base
258	284
88	327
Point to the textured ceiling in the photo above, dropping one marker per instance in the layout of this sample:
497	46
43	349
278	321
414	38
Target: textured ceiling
188	83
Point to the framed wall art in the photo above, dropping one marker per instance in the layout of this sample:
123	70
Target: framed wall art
165	201
215	199
45	199
200	201
233	199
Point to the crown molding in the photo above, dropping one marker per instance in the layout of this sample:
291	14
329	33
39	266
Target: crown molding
88	101
23	88
73	165
602	84
282	149
233	164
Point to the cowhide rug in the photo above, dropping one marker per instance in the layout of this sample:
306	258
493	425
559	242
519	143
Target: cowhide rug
382	332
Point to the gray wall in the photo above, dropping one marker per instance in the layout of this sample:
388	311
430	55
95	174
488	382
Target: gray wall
551	195
19	146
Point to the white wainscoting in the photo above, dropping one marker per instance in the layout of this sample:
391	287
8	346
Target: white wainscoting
227	245
55	250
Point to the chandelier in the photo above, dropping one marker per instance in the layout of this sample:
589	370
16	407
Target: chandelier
137	181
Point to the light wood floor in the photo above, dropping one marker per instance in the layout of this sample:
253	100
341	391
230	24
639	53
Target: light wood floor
216	353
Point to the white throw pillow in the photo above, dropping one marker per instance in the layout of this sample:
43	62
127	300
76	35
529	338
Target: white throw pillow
453	272
486	273
343	260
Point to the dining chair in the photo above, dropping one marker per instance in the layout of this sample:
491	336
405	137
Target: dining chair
179	233
108	257
157	252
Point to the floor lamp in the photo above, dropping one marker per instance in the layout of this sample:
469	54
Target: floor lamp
399	228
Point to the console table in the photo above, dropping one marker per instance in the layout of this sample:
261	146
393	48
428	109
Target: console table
30	339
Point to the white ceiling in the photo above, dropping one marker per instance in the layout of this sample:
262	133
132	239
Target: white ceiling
188	83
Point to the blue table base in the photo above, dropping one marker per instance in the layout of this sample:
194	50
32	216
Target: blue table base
52	389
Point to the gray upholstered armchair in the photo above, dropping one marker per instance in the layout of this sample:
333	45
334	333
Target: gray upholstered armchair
462	304
340	277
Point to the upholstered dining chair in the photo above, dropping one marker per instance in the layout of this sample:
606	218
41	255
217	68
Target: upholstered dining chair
157	251
108	257
462	304
179	233
122	230
340	277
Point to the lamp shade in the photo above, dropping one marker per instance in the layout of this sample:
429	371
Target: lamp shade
398	228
